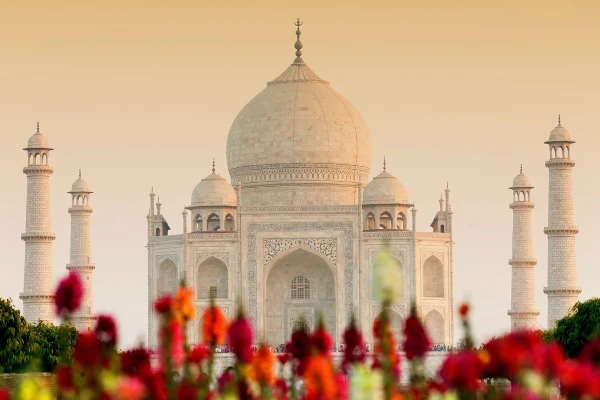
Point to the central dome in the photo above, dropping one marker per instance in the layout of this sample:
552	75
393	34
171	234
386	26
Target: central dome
298	129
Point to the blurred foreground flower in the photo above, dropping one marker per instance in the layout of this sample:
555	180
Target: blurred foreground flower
387	277
68	294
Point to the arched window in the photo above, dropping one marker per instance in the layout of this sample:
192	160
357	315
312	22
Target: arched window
157	231
212	279
198	223
370	221
401	221
300	325
442	228
44	158
37	159
214	223
167	277
434	323
300	288
229	225
385	220
433	278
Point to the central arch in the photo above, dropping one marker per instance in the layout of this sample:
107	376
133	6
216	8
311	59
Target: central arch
299	285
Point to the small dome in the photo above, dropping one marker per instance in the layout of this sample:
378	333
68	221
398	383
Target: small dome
38	141
522	181
559	134
385	189
214	191
80	186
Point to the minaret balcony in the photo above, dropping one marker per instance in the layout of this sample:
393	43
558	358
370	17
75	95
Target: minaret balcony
38	170
562	231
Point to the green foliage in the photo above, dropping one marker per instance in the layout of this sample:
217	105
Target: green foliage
16	339
25	347
55	344
548	335
582	323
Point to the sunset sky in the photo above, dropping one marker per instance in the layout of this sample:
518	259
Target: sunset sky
143	93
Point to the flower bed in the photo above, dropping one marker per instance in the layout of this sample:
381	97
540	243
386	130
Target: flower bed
306	368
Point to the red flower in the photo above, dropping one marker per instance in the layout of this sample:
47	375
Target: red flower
283	358
354	346
198	354
591	352
240	339
299	347
64	378
4	395
106	330
187	391
342	386
135	362
463	310
416	340
87	349
516	351
321	340
69	293
163	304
462	371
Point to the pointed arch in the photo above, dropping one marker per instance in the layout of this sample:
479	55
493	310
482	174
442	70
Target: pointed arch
433	277
212	280
198	227
167	277
370	221
213	223
386	220
434	323
229	223
401	221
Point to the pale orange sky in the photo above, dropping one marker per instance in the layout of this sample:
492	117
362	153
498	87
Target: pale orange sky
142	93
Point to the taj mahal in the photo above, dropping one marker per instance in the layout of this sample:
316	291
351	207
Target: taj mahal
296	231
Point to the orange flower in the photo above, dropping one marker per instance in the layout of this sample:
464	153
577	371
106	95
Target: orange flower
319	378
263	365
214	327
183	304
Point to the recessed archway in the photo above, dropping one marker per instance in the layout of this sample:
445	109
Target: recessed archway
212	279
167	277
434	323
298	285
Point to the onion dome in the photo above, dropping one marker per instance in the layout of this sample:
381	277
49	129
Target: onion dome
559	134
385	188
299	123
214	191
80	186
521	181
38	141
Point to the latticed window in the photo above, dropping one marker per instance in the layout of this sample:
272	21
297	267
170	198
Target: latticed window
300	325
212	292
300	288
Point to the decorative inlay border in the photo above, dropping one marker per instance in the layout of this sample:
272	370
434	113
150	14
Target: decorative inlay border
212	236
344	227
294	172
299	209
223	256
573	230
400	309
325	246
425	254
170	238
171	256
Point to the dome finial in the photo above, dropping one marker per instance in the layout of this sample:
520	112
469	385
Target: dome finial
298	44
559	119
38	127
384	163
79	173
213	168
521	168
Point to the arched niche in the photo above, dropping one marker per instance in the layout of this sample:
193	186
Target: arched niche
370	222
229	223
434	323
433	277
299	284
386	220
167	277
213	223
395	263
212	279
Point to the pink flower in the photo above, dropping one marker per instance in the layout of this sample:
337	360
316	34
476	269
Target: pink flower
69	293
130	389
173	334
240	339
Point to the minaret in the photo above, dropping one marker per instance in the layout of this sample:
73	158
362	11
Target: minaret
523	314
562	289
38	292
81	252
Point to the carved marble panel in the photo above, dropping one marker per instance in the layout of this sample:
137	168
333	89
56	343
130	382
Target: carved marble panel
326	247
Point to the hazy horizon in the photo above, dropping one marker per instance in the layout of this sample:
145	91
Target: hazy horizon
143	94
